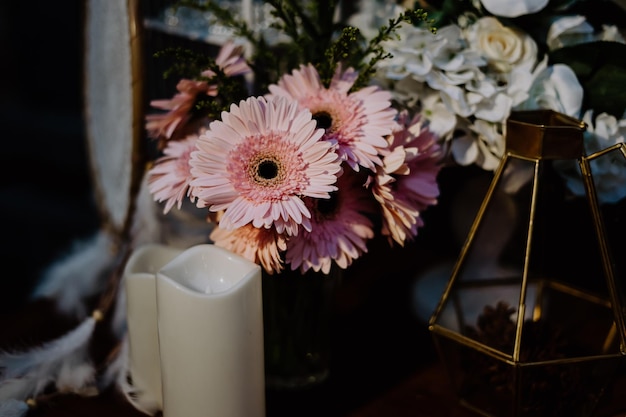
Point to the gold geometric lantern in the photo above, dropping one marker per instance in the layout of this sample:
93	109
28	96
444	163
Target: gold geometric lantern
540	331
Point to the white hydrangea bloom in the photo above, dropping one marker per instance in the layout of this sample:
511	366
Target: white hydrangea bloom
519	82
414	55
468	77
465	81
609	170
491	143
481	144
495	110
464	146
442	121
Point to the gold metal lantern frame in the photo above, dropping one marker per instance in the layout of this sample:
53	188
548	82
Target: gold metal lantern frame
542	332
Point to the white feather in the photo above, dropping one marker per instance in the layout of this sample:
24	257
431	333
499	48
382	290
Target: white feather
13	408
116	366
14	389
121	371
77	377
79	274
64	361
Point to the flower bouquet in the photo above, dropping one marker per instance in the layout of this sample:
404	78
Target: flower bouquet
298	160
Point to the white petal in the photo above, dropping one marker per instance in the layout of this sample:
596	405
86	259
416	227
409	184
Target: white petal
567	31
513	8
495	110
464	150
570	90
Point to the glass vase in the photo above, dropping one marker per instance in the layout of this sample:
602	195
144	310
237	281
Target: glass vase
297	313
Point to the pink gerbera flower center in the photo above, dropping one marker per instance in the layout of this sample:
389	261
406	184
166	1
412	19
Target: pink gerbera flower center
267	170
324	119
332	112
271	168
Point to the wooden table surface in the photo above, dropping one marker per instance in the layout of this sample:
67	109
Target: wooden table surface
356	388
423	394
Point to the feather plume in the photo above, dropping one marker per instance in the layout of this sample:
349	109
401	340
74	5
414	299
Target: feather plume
117	364
64	362
13	408
79	274
120	371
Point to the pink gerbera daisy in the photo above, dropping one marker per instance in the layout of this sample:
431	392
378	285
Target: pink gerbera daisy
358	122
230	60
259	245
165	125
406	184
340	228
169	178
258	162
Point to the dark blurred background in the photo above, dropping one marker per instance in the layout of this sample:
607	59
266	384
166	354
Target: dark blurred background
46	196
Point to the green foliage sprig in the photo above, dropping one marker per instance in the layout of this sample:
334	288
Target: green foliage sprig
184	63
310	35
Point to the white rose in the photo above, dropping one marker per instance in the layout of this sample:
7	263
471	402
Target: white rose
503	47
556	88
513	8
569	30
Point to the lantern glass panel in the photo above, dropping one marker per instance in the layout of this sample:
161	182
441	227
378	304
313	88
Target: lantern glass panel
530	323
547	265
608	171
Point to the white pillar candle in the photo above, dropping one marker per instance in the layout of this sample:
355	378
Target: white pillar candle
141	316
210	322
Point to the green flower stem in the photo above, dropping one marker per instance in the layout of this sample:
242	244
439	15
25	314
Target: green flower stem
297	318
